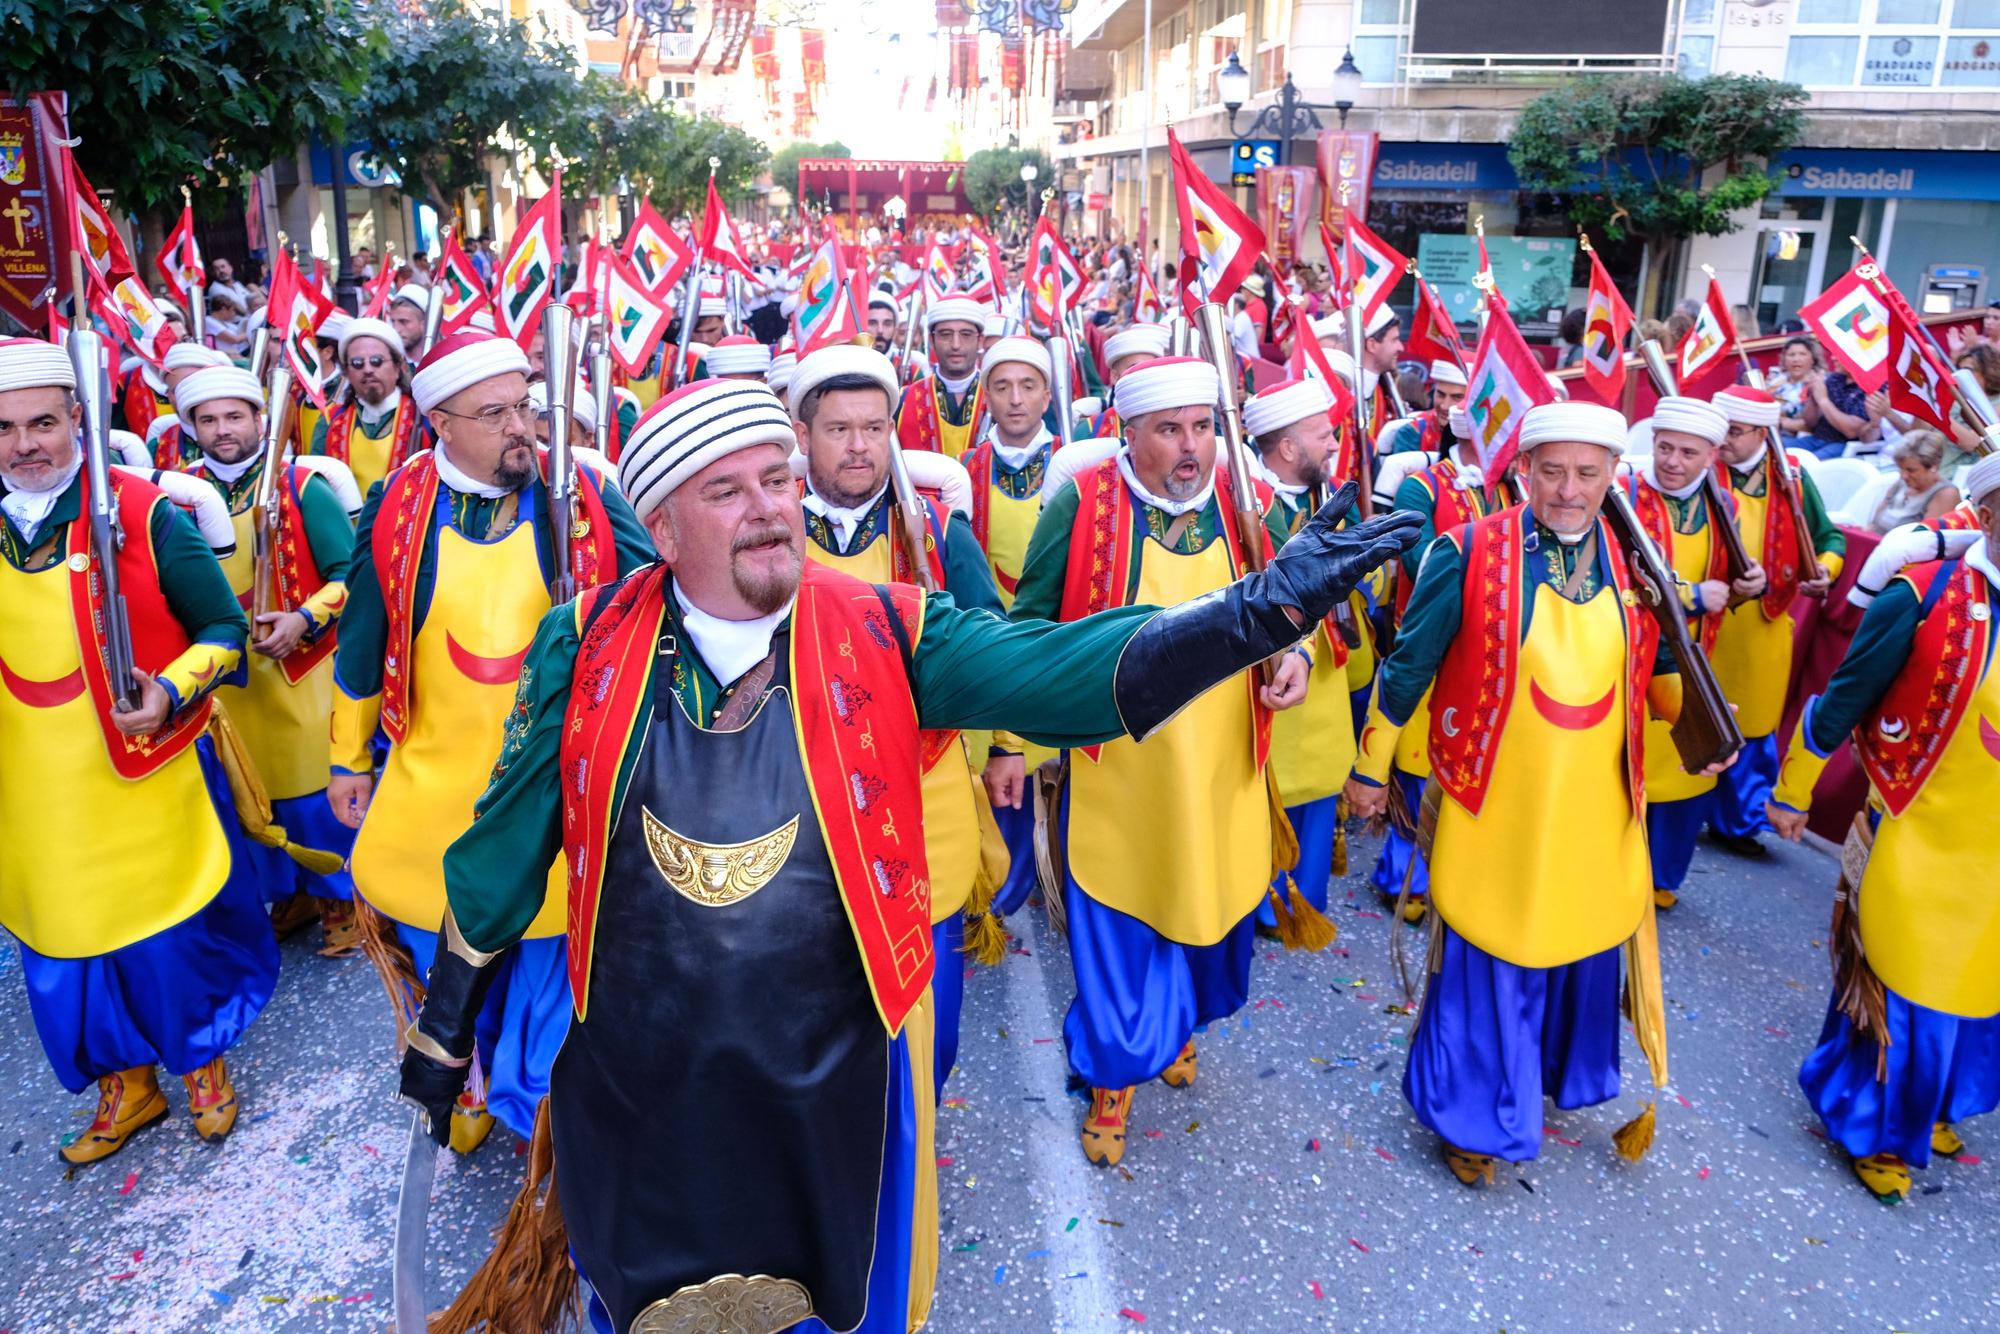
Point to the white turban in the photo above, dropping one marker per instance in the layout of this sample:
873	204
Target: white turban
332	326
712	305
693	427
1146	340
994	326
1983	478
1690	416
739	354
1164	383
1284	404
582	403
1341	363
1380	320
481	320
1583	423
416	294
960	308
817	367
185	356
213	382
1330	326
1752	407
1447	372
783	366
361	326
32	363
1020	349
461	361
886	300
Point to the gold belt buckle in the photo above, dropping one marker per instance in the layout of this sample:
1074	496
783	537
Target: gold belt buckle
716	875
728	1304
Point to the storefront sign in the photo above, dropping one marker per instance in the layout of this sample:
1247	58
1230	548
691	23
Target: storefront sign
1248	156
1889	175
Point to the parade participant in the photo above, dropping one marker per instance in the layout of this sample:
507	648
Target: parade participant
766	1023
992	328
1122	351
453	558
711	318
375	428
407	312
739	357
170	441
941	411
1381	348
1312	746
1671	498
1753	649
882	320
143	942
1912	1042
1540	662
845	395
1427	431
582	414
281	708
784	365
1161	917
1448	495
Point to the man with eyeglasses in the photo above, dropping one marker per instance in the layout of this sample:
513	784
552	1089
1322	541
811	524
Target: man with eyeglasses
943	411
374	429
453	560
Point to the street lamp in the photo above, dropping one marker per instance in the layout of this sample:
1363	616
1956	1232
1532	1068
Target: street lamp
1290	116
1028	173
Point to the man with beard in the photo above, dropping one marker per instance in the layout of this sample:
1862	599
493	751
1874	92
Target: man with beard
1428	431
375	429
727	747
143	941
170	443
941	411
407	311
281	709
453	559
1161	914
882	321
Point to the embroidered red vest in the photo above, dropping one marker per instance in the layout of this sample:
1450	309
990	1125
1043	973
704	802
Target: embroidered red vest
1098	572
1476	681
857	734
403	526
340	426
1961	519
157	637
1779	552
1658	521
917	419
167	455
141	405
978	462
1451	509
1900	742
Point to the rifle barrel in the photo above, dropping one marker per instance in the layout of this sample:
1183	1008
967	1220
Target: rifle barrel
558	356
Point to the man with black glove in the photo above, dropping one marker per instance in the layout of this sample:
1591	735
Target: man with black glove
727	749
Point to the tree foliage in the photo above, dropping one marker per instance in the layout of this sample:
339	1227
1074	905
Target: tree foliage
167	93
785	162
993	178
1634	154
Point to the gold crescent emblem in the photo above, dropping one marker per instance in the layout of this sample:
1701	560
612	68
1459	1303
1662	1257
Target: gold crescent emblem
716	875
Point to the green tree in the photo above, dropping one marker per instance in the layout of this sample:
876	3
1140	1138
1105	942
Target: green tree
1659	159
785	162
993	179
173	93
605	134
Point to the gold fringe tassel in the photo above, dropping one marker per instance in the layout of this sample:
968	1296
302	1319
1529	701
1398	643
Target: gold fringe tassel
1857	992
1636	1136
253	805
527	1285
1645	997
393	965
1311	929
1284	839
985	936
1340	836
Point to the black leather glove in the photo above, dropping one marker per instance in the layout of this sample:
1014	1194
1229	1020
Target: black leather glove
433	1087
438	1054
1184	650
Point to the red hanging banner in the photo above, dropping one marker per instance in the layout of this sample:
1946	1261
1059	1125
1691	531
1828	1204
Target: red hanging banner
1284	205
32	170
1346	171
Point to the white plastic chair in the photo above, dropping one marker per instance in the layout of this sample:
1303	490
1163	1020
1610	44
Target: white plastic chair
1842	480
1858	507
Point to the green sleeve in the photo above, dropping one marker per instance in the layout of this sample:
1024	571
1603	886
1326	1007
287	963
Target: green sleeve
968	576
196	589
1826	535
496	872
1429	624
1275	524
364	623
1047	681
1414	497
1881	646
1038	597
1406	438
328	532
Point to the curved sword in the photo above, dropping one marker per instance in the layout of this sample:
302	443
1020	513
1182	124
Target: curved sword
413	1208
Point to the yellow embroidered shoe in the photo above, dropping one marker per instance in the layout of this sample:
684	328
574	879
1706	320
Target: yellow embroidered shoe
1886	1175
1664	898
340	929
1414	908
1945	1140
212	1099
1182	1072
127	1102
1104	1126
1470	1168
470	1124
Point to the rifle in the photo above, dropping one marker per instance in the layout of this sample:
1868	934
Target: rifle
1722	518
1785	483
908	368
265	519
600	383
558	337
1233	453
1364	434
260	346
433	321
911	527
107	537
690	310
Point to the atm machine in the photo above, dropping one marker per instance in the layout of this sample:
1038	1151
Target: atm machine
1952	287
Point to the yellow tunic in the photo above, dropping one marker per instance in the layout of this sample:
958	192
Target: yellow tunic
1009	525
1666	780
1312	745
368	457
951	787
1554	868
486	601
89	861
1176	831
1753	653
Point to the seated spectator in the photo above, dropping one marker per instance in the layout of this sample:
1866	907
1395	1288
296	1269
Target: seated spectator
1837	414
1920	491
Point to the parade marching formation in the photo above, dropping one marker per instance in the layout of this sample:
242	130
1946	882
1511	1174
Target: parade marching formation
662	710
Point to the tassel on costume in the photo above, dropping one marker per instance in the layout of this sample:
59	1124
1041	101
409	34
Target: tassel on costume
393	965
1645	997
1857	992
1310	929
1340	836
985	936
1051	866
1284	839
1636	1136
253	805
527	1285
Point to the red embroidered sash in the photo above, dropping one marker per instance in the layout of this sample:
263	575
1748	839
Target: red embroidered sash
1900	742
340	428
856	724
403	526
1779	553
917	421
1097	573
157	637
1658	520
1474	690
298	575
1451	509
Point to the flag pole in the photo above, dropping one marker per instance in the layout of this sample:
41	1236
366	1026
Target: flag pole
195	295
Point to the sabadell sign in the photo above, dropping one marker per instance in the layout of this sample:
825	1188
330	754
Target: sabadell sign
1889	175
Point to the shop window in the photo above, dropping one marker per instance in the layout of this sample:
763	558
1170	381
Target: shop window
1377	58
1922	12
1829	11
1820	62
1975	14
1899	62
1382	13
1971	62
1942	231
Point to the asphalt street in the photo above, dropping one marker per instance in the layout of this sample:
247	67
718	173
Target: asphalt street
1289	1189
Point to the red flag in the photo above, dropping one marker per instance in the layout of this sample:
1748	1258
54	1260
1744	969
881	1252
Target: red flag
297	309
719	242
91	225
375	296
1433	334
1337	289
840	320
588	281
986	261
1919	384
1704	352
464	294
179	260
937	278
131	314
656	254
1147	307
527	277
1308	361
1852	321
1219	242
1606	321
1373	266
635	319
1047	275
1505	381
